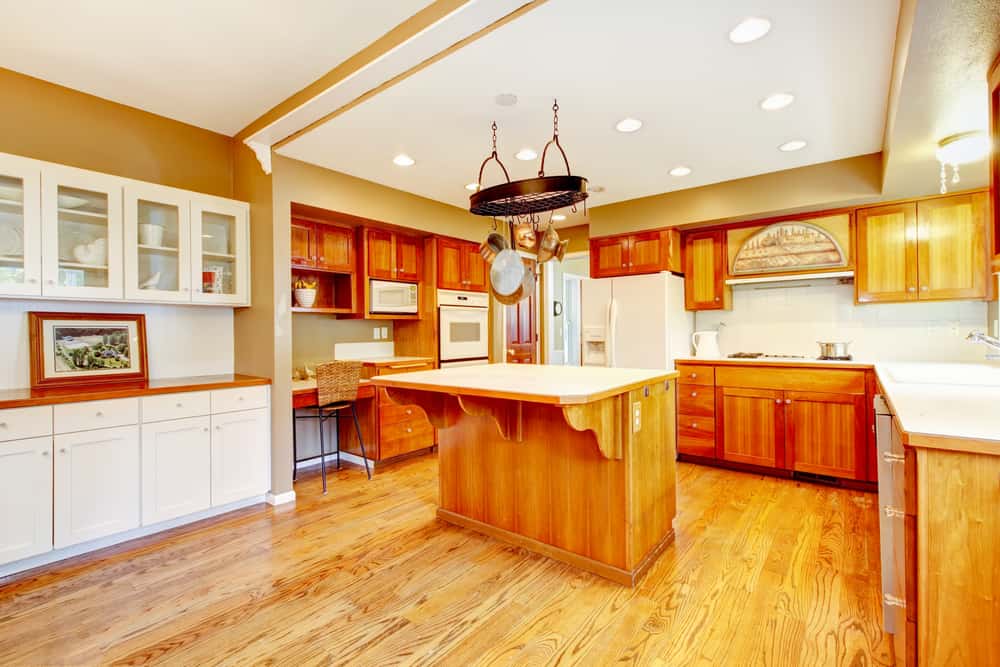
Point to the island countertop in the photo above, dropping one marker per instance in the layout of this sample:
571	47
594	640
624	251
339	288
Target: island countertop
553	385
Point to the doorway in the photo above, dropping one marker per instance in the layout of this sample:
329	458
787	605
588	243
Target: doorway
521	328
562	308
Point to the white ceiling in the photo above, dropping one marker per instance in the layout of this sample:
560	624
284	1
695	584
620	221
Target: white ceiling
667	62
217	64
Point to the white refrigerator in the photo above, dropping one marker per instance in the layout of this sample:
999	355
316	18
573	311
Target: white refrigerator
634	321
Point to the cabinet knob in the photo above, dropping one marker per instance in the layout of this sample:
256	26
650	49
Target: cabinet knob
218	428
718	298
911	289
45	453
50	281
32	280
239	398
322	259
205	429
409	430
788	401
3	424
409	411
924	288
777	401
694	425
693	394
62	450
100	414
180	405
694	375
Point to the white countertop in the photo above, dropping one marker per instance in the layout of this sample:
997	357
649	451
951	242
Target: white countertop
779	361
559	385
940	402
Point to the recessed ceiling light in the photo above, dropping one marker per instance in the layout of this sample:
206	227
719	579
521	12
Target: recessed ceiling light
403	160
794	145
749	29
680	170
776	101
506	99
628	125
526	154
558	217
472	187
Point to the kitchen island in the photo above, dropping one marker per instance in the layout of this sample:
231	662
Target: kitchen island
577	464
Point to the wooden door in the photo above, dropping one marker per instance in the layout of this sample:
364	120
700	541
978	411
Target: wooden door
449	264
886	253
381	255
96	484
474	274
303	243
334	249
26	510
609	256
521	333
951	247
647	252
705	271
750	426
826	433
176	468
408	251
241	454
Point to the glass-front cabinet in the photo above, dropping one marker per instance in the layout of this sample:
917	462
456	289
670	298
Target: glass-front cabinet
220	240
157	243
20	228
81	234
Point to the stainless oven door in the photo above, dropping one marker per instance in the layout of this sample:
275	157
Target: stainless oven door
464	333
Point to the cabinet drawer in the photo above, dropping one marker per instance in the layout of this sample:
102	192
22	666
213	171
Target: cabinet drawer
696	446
830	380
18	423
696	374
405	437
695	400
175	406
72	417
405	367
694	426
390	413
243	398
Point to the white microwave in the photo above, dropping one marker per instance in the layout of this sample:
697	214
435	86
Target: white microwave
386	296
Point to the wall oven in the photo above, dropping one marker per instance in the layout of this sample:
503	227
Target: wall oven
389	297
464	323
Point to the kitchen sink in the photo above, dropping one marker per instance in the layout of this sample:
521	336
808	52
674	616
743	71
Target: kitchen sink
983	375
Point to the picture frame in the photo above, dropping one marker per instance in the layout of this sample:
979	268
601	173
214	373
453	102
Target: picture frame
83	349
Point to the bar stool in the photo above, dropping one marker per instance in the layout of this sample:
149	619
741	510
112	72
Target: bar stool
337	388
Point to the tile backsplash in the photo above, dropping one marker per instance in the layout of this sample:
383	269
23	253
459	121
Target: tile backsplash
789	318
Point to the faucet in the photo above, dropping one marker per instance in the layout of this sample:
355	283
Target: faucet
989	341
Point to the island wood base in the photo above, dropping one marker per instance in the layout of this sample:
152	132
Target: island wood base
577	483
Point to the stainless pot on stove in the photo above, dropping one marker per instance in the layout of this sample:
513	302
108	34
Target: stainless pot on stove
834	350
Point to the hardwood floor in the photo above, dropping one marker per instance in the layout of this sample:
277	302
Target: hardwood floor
764	571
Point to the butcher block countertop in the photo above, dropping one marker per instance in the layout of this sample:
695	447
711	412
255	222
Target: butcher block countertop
554	385
945	406
19	398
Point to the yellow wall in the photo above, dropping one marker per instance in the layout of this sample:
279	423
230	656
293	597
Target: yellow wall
56	124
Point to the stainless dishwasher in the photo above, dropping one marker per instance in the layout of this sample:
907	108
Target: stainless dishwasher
892	531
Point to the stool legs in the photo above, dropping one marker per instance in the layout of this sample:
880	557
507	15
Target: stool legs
361	441
322	451
295	446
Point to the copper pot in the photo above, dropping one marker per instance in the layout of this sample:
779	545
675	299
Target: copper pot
525	237
548	247
494	244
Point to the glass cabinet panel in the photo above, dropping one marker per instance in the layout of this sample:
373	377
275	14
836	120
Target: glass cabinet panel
220	242
20	227
83	238
157	239
218	253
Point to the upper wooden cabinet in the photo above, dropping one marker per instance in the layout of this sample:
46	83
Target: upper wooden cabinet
705	259
392	256
994	87
408	252
460	266
334	248
630	254
932	249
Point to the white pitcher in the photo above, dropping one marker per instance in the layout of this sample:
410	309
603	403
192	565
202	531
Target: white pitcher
706	344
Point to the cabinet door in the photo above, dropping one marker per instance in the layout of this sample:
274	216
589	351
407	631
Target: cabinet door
408	254
303	243
157	243
609	256
176	468
449	264
381	257
474	276
25	498
220	244
750	426
81	234
826	433
241	454
886	254
705	271
20	226
96	484
647	252
334	248
951	247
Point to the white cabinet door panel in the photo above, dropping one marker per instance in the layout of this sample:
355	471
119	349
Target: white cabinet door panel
220	251
176	468
25	498
157	243
20	226
241	454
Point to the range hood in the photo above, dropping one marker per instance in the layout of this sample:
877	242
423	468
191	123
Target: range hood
791	277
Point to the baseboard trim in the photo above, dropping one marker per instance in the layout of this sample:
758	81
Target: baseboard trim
280	498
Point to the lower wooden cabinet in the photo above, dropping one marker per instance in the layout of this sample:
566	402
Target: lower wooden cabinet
826	433
25	498
241	450
752	427
97	491
176	468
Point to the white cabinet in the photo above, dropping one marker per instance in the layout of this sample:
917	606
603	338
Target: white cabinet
25	498
220	244
81	234
96	484
241	454
176	468
157	243
20	226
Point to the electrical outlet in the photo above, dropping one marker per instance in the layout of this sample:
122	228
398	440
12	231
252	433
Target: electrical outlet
375	333
385	333
636	416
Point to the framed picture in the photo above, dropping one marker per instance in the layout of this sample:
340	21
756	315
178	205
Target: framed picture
72	349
